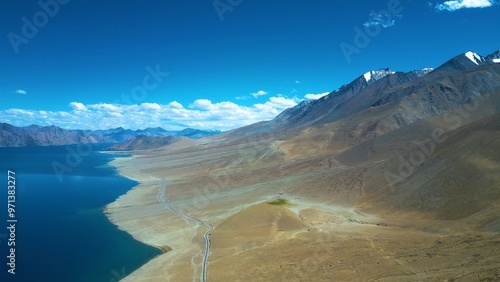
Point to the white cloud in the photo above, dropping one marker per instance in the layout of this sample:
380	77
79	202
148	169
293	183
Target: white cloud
150	106
176	105
202	114
316	96
202	104
259	93
78	106
20	112
297	81
104	107
255	95
276	105
21	92
385	20
282	102
464	4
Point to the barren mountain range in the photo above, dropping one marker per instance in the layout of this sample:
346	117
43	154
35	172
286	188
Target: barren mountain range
393	177
34	135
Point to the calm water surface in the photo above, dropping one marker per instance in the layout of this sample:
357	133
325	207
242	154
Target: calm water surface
62	233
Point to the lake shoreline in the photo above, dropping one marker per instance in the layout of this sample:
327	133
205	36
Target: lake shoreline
125	167
150	221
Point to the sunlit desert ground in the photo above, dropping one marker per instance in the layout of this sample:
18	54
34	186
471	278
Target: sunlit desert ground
287	211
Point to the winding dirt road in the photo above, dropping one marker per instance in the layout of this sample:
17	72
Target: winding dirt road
206	236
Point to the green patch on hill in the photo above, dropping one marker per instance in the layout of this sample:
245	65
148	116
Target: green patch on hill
280	202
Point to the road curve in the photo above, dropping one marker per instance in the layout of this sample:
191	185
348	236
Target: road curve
206	237
204	263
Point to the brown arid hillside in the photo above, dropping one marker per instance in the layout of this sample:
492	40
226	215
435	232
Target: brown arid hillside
146	142
397	179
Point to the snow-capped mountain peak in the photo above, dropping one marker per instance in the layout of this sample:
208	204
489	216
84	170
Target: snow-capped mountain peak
375	75
368	76
475	58
494	57
422	72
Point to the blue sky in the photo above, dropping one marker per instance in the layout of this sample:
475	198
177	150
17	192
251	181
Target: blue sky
87	64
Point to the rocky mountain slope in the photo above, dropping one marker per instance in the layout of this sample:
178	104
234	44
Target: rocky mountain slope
146	142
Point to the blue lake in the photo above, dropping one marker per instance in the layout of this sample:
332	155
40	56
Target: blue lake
61	232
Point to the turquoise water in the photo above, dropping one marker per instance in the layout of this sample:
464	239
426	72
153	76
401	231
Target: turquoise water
62	233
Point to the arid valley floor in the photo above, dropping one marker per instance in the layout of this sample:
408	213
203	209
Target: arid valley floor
323	233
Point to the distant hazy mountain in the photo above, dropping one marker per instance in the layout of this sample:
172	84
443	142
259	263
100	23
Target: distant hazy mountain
119	135
11	136
146	142
34	135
